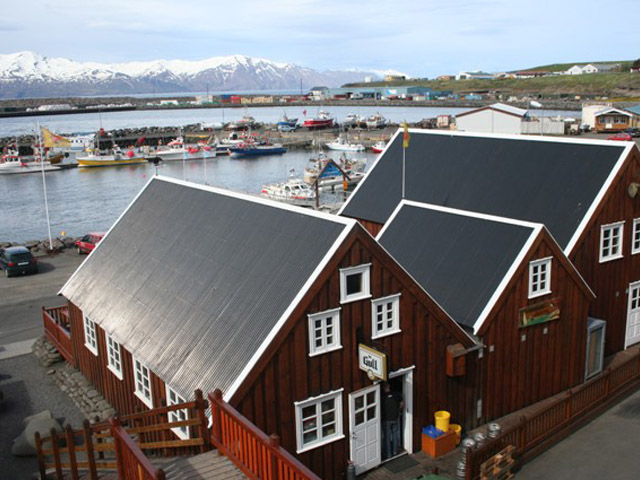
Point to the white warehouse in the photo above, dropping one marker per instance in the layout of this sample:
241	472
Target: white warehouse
496	118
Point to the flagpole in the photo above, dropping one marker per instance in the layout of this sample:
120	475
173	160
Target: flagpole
44	185
404	152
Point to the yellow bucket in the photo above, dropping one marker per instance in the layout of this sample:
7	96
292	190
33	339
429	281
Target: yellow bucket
442	420
457	429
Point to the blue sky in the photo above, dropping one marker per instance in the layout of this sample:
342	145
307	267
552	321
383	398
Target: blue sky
421	38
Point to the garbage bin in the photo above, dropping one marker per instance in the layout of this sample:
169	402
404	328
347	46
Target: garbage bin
442	420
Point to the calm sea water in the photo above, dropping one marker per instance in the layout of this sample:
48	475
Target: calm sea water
82	200
91	199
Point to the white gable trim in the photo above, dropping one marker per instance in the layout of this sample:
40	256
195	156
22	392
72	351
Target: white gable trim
506	279
598	199
287	313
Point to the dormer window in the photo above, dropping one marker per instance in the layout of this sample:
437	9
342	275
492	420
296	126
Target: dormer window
355	283
539	277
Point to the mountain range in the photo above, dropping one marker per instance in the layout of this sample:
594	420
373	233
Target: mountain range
29	75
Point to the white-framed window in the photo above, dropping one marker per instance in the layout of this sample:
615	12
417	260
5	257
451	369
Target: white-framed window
635	237
177	415
90	335
142	378
355	283
539	277
324	332
611	241
385	316
114	357
319	421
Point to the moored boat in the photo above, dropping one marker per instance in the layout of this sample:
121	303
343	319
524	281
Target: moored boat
13	164
95	158
286	124
376	121
353	168
351	121
321	120
343	144
379	147
254	150
177	150
293	191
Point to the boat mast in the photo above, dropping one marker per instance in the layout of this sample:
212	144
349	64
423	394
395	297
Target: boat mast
44	185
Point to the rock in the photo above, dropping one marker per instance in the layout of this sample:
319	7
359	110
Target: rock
25	444
31	244
43	415
51	372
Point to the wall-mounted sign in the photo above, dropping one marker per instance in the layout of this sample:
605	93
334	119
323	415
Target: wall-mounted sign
540	313
373	362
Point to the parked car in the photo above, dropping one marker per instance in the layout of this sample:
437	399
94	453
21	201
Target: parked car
18	261
633	131
87	243
622	136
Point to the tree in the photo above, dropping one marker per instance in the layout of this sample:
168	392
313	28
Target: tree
636	64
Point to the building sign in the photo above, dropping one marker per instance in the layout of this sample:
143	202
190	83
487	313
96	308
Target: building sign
540	313
373	362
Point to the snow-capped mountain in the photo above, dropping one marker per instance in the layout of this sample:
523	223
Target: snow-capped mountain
27	74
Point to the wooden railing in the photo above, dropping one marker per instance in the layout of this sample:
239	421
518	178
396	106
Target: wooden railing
56	328
532	434
132	463
258	456
95	448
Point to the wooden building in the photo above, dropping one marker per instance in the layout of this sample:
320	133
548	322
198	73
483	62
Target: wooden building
507	282
295	315
612	120
583	191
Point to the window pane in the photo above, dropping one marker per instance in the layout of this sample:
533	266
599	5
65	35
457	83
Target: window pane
354	283
310	436
327	405
359	402
308	411
359	418
328	430
371	413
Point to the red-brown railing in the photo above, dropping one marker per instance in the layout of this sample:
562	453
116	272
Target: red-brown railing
56	328
256	454
132	463
554	421
95	448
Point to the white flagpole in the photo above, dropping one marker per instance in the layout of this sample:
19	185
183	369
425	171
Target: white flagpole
404	151
204	151
44	185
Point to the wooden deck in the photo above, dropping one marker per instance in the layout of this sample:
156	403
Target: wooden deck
205	466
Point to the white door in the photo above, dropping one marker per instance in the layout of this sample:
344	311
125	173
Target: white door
364	420
407	397
633	315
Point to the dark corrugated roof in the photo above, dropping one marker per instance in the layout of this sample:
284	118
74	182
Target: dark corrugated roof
192	281
549	182
460	260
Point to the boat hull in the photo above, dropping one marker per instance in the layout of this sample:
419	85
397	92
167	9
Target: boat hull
345	147
255	152
109	162
27	169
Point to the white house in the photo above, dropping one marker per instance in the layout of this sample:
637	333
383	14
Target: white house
575	70
496	118
475	75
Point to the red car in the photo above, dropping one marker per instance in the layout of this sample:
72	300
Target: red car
625	137
87	243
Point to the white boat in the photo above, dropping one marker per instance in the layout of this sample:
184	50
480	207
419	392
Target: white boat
379	147
176	151
352	121
377	121
353	168
13	164
117	157
294	191
343	144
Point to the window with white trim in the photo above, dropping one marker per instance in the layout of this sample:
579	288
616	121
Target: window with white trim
90	335
539	277
142	378
635	238
177	415
319	421
611	241
324	332
385	316
355	283
114	357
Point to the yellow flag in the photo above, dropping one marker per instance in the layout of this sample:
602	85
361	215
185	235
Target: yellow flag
405	136
50	139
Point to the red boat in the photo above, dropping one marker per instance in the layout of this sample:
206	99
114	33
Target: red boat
322	120
378	147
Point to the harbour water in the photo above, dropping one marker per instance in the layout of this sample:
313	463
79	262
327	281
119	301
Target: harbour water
82	200
91	199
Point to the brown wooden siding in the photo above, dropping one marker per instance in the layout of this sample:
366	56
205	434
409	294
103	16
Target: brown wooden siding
290	375
372	227
603	120
521	372
119	393
610	280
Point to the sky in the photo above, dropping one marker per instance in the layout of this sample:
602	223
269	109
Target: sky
422	38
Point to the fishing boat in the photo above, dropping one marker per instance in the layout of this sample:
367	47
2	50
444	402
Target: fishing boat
321	120
343	144
352	121
286	124
379	147
376	121
11	163
95	158
332	176
245	123
254	150
177	150
293	191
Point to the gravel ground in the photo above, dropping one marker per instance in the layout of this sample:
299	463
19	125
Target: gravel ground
27	389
